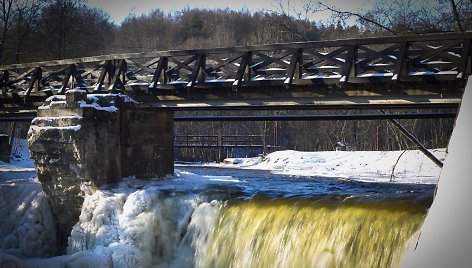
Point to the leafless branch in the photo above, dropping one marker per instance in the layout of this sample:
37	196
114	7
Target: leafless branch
347	14
457	18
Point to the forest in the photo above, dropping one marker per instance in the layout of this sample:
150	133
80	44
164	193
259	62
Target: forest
38	30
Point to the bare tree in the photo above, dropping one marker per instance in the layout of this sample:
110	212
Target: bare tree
408	16
344	15
7	14
296	22
456	15
27	17
72	29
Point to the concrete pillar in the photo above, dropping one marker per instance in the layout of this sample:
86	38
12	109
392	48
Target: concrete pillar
148	142
80	142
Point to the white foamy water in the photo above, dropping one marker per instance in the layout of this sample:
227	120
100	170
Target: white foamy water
123	227
140	229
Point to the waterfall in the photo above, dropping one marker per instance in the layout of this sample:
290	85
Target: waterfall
292	233
152	228
27	225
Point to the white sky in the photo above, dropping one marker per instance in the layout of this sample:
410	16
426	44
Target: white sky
119	9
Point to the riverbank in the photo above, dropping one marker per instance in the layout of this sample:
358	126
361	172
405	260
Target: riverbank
410	166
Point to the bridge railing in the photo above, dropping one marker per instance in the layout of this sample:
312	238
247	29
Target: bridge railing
215	141
434	58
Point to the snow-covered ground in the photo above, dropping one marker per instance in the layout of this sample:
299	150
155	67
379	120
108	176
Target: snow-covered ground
410	166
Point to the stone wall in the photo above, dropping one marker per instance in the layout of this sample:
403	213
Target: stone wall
80	142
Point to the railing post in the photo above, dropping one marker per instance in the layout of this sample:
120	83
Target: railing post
401	66
35	81
160	69
101	78
240	75
295	68
198	71
120	67
70	72
349	69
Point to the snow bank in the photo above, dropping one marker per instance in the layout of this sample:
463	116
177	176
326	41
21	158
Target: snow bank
412	167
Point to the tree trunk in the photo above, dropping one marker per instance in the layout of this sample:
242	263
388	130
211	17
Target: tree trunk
6	16
456	15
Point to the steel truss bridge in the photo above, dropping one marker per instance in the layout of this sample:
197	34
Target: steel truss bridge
402	71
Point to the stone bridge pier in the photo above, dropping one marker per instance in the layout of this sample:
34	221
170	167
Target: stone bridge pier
81	141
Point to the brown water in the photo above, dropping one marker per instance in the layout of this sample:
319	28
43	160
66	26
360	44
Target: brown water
310	233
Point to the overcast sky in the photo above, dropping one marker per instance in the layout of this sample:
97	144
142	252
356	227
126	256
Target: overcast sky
119	9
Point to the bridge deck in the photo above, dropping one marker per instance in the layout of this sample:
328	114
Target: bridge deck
420	70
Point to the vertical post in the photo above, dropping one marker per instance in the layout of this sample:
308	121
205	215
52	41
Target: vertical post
4	81
78	78
115	82
401	66
349	69
201	73
69	73
295	68
160	69
198	71
243	65
35	81
101	78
